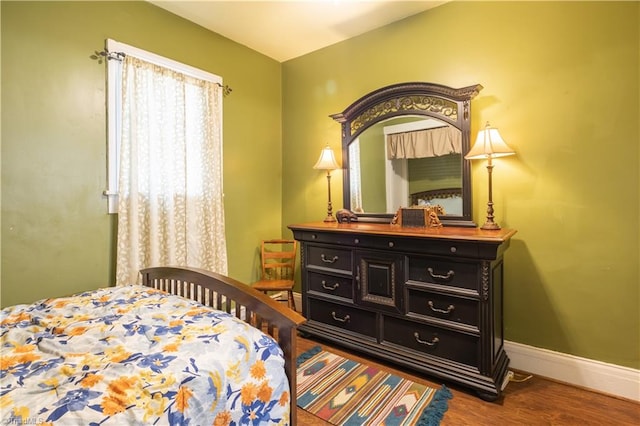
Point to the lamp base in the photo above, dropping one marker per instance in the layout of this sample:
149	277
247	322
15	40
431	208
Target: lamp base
490	226
330	218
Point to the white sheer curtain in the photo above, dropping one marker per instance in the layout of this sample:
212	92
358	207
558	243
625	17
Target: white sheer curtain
355	177
170	208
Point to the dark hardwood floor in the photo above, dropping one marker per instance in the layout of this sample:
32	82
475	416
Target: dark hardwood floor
536	401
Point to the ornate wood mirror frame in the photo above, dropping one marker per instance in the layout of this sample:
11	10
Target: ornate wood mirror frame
427	100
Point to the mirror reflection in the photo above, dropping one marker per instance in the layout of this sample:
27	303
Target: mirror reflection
406	161
403	146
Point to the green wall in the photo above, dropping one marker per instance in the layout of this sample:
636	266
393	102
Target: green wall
57	237
435	173
561	83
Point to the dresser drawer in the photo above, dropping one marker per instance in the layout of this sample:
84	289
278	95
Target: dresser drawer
331	285
456	309
330	258
439	342
437	271
344	317
328	238
444	248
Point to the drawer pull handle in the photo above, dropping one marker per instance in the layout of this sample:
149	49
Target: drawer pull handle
449	309
433	341
345	319
449	275
325	260
328	287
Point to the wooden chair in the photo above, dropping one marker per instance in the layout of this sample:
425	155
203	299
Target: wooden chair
278	268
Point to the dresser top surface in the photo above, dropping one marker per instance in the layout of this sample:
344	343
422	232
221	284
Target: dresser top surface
445	233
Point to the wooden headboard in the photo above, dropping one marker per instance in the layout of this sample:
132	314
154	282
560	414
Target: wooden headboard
434	194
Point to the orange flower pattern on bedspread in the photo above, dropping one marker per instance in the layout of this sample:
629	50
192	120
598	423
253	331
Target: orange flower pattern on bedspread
134	355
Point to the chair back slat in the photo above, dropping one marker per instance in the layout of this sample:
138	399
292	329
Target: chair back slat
279	259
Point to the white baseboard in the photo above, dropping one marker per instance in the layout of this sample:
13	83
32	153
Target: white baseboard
585	373
297	298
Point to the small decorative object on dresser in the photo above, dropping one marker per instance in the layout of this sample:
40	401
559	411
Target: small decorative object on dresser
425	298
421	216
344	215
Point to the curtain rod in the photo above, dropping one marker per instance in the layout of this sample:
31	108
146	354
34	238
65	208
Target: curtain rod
101	55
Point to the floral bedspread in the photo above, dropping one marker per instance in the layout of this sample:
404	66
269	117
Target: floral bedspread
134	355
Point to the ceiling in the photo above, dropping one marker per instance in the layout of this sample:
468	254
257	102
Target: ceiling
284	30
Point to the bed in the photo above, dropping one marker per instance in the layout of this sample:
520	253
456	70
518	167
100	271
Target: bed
449	198
186	347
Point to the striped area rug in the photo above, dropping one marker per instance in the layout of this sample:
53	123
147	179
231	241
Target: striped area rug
344	392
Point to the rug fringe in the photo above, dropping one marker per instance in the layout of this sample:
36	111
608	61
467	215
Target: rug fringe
432	415
308	354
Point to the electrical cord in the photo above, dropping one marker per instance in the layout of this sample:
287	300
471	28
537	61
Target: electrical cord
513	377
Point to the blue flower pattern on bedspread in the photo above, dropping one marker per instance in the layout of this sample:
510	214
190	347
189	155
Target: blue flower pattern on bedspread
137	356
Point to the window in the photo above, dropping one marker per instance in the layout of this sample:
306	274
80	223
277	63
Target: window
114	104
165	163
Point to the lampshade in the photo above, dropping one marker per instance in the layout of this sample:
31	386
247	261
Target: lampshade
327	160
489	143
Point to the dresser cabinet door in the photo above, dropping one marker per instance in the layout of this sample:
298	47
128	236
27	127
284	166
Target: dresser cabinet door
380	279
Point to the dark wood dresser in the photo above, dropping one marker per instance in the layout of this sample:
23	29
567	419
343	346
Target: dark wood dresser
429	299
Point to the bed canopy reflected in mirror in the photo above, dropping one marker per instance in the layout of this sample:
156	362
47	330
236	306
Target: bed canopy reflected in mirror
404	145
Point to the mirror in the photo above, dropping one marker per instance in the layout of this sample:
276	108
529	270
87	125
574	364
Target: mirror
403	145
